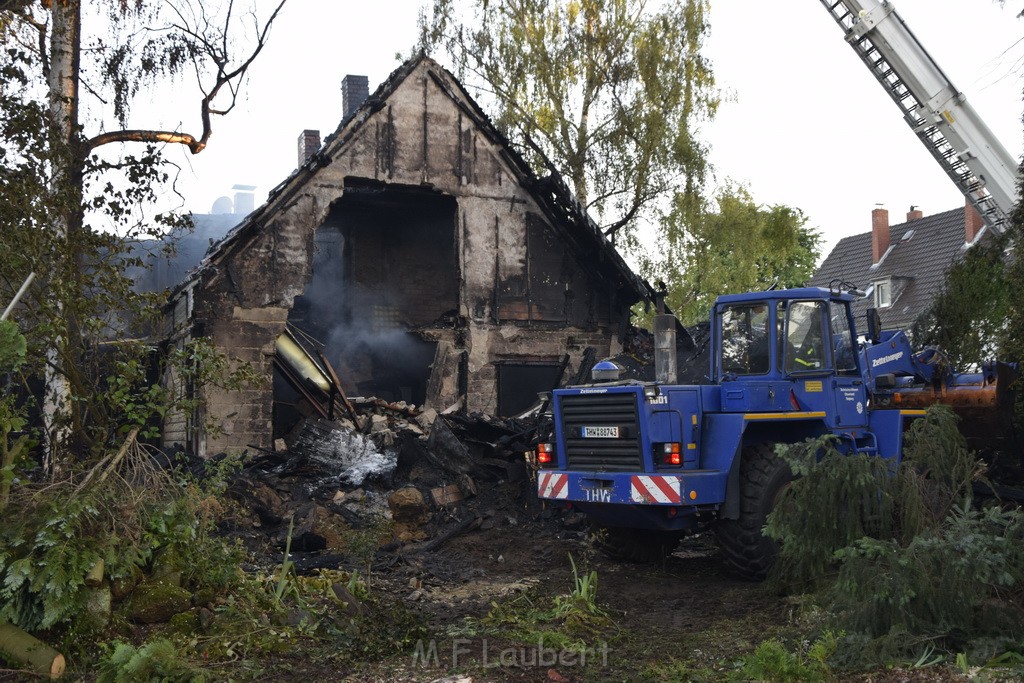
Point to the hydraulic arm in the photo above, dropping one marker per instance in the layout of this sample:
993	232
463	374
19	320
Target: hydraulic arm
935	110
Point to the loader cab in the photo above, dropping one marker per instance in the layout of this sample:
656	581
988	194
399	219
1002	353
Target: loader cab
785	350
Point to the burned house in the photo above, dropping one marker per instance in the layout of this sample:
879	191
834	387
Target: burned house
420	253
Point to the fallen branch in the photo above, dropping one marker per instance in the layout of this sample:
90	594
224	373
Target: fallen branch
26	649
102	468
462	527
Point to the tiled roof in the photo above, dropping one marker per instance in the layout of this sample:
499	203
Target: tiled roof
919	256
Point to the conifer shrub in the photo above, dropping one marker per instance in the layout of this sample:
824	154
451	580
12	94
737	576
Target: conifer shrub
902	556
834	501
959	583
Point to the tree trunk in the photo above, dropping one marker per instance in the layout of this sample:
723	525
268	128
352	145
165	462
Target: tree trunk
62	83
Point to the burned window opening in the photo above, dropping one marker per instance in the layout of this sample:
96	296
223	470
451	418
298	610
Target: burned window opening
384	272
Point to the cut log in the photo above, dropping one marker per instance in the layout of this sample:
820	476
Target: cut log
94	578
25	649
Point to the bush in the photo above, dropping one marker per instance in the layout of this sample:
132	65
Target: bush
904	556
960	582
158	660
771	661
127	513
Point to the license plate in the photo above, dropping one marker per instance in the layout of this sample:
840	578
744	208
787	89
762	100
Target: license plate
600	432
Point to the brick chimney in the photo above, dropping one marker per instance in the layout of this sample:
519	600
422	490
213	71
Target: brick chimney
915	214
309	143
880	236
354	91
972	222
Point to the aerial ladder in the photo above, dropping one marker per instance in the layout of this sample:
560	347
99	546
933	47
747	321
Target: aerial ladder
935	110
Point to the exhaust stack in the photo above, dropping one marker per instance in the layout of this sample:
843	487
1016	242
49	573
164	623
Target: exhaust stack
665	370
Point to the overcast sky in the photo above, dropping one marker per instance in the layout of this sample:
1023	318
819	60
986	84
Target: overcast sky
804	123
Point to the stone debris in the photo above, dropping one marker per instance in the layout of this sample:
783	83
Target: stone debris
402	474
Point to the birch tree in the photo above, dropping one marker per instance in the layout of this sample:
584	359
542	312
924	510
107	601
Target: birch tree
728	246
611	92
77	161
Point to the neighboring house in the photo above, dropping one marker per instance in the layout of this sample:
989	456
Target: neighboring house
902	267
422	251
168	261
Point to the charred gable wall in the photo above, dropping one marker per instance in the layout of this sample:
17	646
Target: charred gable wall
409	222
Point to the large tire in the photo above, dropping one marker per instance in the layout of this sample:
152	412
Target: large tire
644	546
763	476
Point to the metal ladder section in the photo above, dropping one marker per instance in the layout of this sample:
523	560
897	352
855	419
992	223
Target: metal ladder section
939	115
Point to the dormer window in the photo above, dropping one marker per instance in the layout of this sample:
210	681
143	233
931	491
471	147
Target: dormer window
883	293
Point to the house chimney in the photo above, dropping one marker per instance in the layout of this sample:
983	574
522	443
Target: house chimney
880	236
972	222
915	214
354	91
243	199
309	143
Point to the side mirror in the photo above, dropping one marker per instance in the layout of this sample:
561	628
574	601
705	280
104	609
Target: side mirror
874	325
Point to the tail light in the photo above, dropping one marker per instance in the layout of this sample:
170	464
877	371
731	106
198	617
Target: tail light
545	454
672	454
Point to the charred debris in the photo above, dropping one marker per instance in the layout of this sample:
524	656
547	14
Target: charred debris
349	463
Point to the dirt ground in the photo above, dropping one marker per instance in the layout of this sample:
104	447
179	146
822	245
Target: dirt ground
668	620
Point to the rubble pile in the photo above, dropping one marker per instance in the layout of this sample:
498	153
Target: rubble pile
421	476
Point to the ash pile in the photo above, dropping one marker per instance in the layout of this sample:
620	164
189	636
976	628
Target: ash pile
409	477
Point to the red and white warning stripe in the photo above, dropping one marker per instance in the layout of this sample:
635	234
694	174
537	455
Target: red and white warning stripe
655	490
553	485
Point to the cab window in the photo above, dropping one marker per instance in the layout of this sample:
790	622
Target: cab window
843	349
804	336
745	343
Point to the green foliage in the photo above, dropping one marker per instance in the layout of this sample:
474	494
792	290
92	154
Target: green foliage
129	519
579	609
902	558
938	472
610	91
1012	347
286	572
12	347
71	204
731	246
771	661
979	315
836	500
572	622
885	588
363	544
967	318
158	661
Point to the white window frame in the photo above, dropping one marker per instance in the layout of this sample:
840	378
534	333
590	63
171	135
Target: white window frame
883	293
